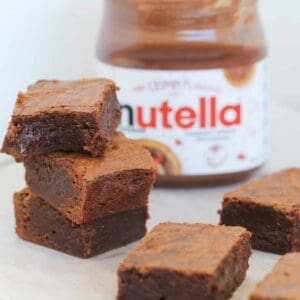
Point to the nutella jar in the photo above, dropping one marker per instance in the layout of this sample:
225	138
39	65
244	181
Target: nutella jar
192	78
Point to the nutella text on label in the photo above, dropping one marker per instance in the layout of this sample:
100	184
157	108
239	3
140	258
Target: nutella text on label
196	122
206	115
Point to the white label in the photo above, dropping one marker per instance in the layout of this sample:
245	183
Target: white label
196	122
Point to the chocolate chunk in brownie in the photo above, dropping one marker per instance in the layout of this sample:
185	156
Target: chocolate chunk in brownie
73	116
186	262
84	188
269	207
283	283
38	222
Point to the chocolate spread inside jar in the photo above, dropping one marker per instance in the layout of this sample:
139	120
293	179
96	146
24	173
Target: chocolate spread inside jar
192	75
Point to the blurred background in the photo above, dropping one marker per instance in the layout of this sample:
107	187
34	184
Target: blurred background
56	40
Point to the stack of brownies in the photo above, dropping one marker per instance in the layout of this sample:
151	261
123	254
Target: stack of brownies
88	185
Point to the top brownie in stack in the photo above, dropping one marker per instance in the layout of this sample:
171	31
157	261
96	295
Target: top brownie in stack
71	116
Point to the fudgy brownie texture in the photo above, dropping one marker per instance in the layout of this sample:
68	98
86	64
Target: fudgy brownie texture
269	207
40	223
283	283
84	188
73	116
186	262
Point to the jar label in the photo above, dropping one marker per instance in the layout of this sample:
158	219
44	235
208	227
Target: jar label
196	122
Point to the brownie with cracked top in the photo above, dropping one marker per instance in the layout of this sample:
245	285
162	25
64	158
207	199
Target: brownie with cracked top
72	116
84	188
283	282
186	262
269	207
38	222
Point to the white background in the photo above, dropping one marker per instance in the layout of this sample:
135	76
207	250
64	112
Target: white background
56	39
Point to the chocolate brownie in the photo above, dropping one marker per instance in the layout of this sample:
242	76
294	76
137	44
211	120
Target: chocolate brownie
269	207
84	188
75	116
186	262
40	223
283	283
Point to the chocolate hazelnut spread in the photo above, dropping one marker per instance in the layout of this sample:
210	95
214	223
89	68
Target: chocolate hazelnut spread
193	85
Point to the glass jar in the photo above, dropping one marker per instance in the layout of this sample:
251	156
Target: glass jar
192	78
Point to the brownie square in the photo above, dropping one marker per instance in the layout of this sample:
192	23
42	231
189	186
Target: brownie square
283	283
73	116
38	222
186	262
84	188
269	207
